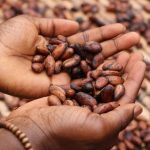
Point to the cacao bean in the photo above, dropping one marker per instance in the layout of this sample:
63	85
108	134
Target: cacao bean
110	73
85	99
97	60
49	64
106	94
37	67
84	66
70	93
119	91
112	66
57	91
42	50
38	59
101	82
58	66
72	62
68	53
115	80
92	47
59	50
87	87
96	73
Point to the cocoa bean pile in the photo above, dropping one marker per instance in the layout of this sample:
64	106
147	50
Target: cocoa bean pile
91	83
136	136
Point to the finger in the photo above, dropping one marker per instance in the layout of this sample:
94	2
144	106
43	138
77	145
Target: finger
115	121
134	57
54	27
98	34
123	59
120	43
133	82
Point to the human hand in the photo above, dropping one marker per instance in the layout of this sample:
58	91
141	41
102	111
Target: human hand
19	37
71	127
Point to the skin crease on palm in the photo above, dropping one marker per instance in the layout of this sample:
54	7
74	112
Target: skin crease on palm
65	127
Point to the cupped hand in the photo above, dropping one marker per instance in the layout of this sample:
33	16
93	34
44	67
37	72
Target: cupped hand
71	127
19	37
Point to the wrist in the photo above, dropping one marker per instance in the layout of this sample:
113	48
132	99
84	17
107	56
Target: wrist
9	141
32	131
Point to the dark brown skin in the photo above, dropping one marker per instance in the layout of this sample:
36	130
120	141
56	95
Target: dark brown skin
68	127
63	127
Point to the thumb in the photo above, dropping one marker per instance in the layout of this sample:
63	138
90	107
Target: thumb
118	119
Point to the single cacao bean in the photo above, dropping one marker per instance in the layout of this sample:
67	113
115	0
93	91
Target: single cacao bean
97	60
101	82
49	64
115	80
59	50
92	47
72	62
87	87
84	66
96	73
42	50
37	67
68	53
85	99
106	94
112	66
70	93
119	91
110	73
58	91
58	66
38	59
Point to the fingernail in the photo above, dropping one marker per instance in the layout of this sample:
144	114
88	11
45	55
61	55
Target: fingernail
137	110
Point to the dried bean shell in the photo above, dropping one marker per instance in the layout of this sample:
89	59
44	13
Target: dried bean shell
57	91
49	64
85	99
72	62
115	80
112	66
119	91
37	67
97	60
101	82
53	100
59	50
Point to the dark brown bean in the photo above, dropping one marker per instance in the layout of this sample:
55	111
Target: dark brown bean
101	82
119	91
38	59
59	50
115	80
58	66
92	47
106	94
72	62
112	66
37	67
49	64
53	100
87	87
68	53
70	93
85	99
97	60
76	84
55	41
